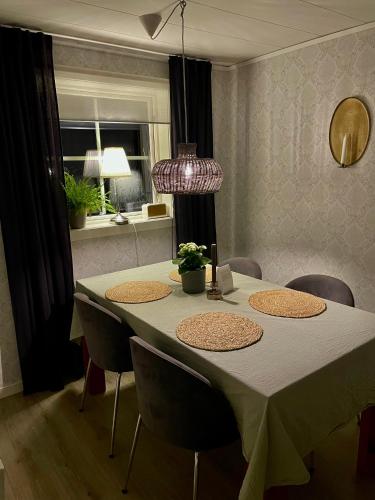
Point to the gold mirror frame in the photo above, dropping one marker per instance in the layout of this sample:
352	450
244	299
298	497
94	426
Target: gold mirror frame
351	119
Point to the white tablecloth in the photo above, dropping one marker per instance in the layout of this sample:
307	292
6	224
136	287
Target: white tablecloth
302	380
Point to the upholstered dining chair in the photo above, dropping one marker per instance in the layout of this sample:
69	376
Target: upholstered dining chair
178	405
107	339
244	265
326	287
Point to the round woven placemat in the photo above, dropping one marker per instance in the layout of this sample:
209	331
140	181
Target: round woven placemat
287	303
173	275
136	292
218	331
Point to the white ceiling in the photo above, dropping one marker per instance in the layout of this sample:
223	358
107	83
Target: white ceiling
225	31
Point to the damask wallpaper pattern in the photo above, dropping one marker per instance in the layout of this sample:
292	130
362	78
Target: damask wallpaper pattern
92	58
114	253
285	202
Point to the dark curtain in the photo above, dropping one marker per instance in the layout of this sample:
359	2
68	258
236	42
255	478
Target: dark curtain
33	209
194	214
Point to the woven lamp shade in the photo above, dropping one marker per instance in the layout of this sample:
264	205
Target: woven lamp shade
187	174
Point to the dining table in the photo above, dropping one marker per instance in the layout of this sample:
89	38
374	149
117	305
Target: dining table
290	390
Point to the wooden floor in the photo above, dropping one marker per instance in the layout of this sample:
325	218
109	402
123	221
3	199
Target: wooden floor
52	452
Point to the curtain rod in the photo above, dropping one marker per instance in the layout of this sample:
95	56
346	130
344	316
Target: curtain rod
98	42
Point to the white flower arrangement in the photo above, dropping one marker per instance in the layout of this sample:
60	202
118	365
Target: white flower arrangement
190	257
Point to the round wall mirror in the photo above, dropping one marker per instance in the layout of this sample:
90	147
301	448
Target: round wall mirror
349	131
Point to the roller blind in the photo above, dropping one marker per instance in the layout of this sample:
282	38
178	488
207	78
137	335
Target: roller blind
91	97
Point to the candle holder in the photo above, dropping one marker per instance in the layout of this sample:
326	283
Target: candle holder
346	148
349	131
214	293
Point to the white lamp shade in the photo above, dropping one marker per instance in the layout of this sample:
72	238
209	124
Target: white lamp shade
115	163
93	161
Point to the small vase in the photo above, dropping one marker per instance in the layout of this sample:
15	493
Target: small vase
77	220
194	281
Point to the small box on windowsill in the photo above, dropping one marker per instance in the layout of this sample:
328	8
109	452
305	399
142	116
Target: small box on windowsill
154	210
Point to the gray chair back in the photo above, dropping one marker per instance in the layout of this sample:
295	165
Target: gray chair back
106	335
326	287
177	403
244	265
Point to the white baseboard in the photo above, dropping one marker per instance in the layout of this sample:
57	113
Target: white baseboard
9	390
2	481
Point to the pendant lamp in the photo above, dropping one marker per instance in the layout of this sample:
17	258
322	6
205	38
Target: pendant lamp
186	174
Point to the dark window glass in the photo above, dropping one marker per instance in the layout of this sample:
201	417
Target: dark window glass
76	141
127	139
75	168
78	138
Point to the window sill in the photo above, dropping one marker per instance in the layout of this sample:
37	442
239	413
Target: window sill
104	228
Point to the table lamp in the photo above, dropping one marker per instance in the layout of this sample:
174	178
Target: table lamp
114	165
93	164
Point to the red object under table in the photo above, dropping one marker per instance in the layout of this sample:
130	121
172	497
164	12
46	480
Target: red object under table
366	446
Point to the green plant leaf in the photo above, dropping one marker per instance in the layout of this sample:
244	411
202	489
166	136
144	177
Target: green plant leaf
82	197
190	257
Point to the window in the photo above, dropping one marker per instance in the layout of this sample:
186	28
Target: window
80	137
100	112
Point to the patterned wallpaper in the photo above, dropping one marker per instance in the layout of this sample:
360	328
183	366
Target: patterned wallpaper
110	254
226	147
285	202
96	256
92	58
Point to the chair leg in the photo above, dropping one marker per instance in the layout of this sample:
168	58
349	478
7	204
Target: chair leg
85	386
196	472
114	418
132	452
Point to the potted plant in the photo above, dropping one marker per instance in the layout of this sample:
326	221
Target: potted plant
83	198
192	267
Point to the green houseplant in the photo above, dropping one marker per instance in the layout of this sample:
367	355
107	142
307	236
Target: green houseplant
82	198
192	267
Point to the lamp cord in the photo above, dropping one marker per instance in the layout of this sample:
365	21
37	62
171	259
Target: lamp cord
136	242
182	5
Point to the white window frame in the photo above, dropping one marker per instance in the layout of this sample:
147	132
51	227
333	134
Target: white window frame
129	88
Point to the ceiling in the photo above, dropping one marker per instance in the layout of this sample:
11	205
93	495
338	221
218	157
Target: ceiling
224	31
